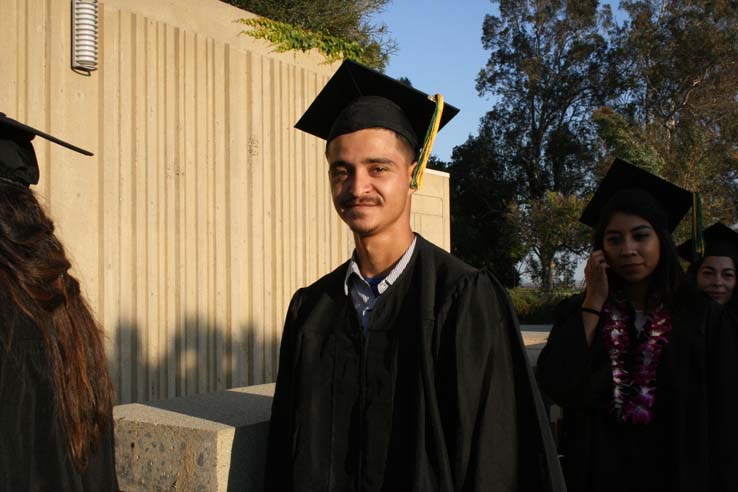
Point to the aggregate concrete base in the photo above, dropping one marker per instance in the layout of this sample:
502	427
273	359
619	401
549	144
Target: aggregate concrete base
214	442
205	443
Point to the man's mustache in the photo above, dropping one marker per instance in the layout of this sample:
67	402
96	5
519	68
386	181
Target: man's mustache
352	201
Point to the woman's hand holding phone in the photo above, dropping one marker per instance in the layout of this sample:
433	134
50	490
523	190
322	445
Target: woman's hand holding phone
598	288
595	276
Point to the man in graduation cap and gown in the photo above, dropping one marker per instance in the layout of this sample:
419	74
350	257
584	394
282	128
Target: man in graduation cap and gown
403	369
35	449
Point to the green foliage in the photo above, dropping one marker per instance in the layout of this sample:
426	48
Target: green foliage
575	90
677	112
626	141
548	66
534	306
480	194
550	231
287	37
333	26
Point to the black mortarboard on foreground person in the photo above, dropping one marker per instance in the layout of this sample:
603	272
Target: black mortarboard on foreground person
626	182
17	158
720	240
357	97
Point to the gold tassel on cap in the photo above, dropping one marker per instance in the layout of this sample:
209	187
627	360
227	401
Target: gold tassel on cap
430	137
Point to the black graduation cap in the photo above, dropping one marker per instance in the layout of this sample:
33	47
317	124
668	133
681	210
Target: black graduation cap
17	157
720	240
357	97
622	175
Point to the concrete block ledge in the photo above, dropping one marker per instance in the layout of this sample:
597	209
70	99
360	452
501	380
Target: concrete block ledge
534	338
214	442
205	443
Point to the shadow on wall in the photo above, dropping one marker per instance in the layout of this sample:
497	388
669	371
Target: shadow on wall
194	357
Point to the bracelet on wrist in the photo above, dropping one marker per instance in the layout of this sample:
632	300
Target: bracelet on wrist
590	311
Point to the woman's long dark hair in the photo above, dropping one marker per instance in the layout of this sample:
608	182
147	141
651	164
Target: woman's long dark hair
668	275
34	275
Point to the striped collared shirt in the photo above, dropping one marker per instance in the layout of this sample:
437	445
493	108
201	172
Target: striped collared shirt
362	295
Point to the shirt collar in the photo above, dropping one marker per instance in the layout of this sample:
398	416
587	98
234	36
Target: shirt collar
392	276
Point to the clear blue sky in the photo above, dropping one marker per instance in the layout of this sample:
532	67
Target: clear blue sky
440	51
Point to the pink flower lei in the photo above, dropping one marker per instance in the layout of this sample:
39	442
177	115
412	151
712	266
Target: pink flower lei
634	392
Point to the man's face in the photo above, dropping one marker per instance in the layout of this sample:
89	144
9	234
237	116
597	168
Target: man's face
370	172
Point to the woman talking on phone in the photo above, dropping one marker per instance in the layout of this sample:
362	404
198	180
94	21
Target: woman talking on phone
627	359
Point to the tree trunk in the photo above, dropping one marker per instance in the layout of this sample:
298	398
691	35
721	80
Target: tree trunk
548	270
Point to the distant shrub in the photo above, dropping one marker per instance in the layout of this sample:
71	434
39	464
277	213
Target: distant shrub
534	306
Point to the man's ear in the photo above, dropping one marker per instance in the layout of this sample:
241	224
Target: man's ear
410	171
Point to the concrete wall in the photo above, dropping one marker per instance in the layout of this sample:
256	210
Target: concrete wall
203	210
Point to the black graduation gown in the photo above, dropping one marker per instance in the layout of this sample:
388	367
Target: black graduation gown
723	392
731	312
437	396
33	451
675	451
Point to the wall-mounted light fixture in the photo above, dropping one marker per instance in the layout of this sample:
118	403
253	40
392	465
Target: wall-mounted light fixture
84	35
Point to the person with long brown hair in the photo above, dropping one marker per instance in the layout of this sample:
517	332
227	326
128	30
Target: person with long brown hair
56	396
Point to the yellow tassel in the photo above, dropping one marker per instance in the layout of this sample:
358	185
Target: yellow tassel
430	138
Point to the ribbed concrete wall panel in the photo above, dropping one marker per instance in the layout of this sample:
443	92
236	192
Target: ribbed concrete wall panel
203	210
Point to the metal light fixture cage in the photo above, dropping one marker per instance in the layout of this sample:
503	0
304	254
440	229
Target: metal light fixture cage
84	35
